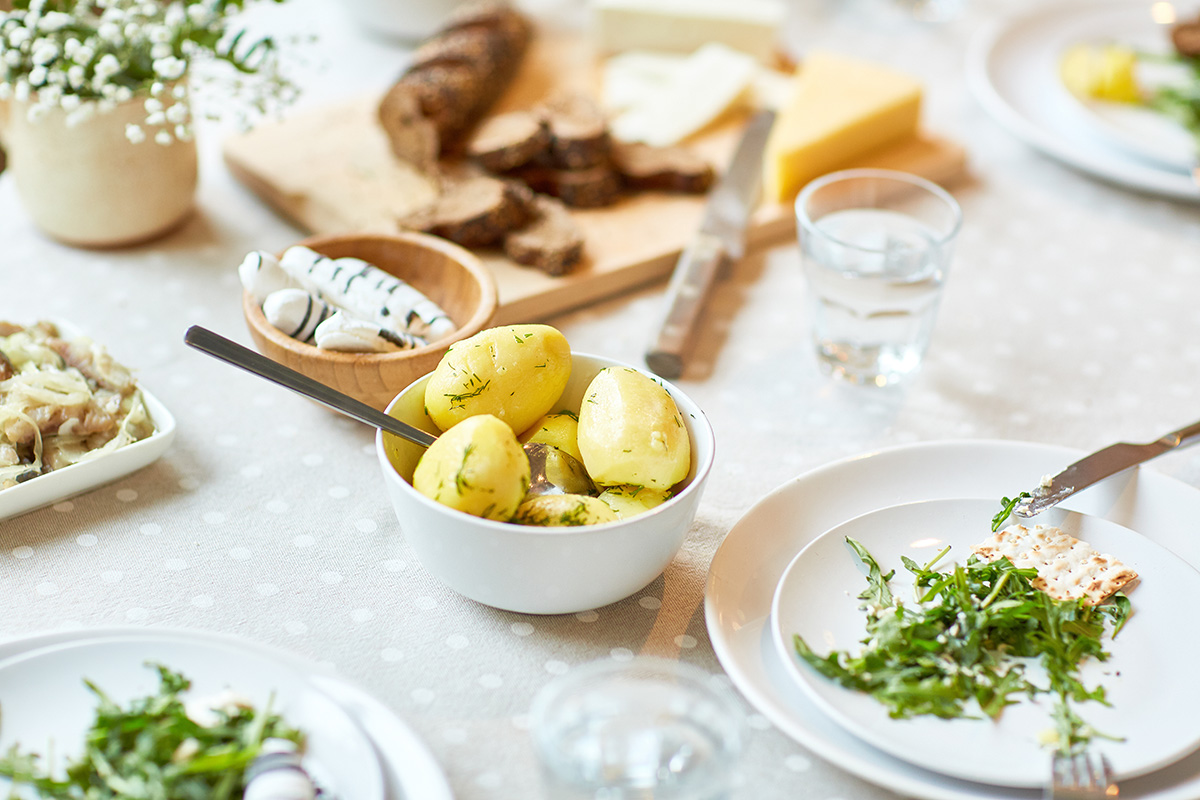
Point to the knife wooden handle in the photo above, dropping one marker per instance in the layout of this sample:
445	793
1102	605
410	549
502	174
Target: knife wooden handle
694	275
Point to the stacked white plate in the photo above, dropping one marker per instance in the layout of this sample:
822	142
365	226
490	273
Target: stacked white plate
357	749
1013	70
784	569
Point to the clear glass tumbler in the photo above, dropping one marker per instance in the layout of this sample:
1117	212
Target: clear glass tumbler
646	728
876	247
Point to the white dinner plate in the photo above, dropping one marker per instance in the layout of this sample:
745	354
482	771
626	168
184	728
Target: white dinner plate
1149	679
84	476
753	556
47	707
385	746
1012	69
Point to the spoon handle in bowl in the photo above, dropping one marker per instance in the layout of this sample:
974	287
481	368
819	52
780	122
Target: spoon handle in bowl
219	347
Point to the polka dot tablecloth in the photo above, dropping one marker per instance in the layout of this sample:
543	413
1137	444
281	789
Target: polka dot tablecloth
1069	318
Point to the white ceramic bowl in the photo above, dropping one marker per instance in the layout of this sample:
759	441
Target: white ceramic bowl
541	570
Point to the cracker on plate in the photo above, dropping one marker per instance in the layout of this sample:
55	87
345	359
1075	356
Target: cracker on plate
1067	568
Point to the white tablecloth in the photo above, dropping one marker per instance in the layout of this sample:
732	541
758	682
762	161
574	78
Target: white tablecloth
1069	318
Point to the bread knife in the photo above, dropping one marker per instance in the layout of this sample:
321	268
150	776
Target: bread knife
719	240
1100	465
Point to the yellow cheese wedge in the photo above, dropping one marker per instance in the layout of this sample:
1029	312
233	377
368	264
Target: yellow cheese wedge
840	108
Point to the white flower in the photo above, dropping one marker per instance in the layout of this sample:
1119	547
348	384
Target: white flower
183	133
161	50
49	95
54	21
156	119
21	91
19	36
156	88
109	32
123	94
84	54
12	57
164	138
76	75
5	91
179	91
38	75
170	68
70	47
107	66
199	14
133	30
70	102
134	133
177	113
159	34
44	51
153	104
175	16
36	112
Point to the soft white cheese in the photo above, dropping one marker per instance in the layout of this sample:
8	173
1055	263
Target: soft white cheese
751	26
703	87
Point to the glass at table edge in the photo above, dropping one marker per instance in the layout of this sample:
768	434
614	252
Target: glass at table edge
736	627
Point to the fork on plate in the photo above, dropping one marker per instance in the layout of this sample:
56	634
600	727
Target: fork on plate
1080	777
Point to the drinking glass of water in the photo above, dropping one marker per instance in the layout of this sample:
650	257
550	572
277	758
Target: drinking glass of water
649	727
876	246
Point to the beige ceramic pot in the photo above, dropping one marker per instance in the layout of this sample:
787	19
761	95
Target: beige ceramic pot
89	185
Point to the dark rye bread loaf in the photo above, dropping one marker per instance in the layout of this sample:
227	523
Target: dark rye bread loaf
456	74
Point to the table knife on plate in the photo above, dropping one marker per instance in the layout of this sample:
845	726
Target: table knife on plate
1100	465
720	239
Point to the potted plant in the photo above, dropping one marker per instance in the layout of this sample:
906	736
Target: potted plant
100	102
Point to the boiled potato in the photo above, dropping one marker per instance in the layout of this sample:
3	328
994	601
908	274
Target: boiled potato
560	430
629	501
631	432
476	467
515	373
564	510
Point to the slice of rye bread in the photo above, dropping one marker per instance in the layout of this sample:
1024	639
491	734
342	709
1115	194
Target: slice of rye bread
1067	568
478	211
508	141
591	187
579	136
551	241
645	167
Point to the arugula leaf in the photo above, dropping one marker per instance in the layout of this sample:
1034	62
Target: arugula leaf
152	749
969	638
1007	505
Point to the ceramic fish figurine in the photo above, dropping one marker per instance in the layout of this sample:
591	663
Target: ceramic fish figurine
296	312
261	275
347	334
277	774
366	292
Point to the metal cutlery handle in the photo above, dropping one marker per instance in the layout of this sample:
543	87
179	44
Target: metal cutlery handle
1186	435
690	283
230	352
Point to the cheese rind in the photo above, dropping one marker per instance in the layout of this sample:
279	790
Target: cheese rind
840	109
751	26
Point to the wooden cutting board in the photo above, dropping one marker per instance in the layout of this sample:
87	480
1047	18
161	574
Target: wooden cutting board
332	171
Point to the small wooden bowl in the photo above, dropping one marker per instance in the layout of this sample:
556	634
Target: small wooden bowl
444	272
